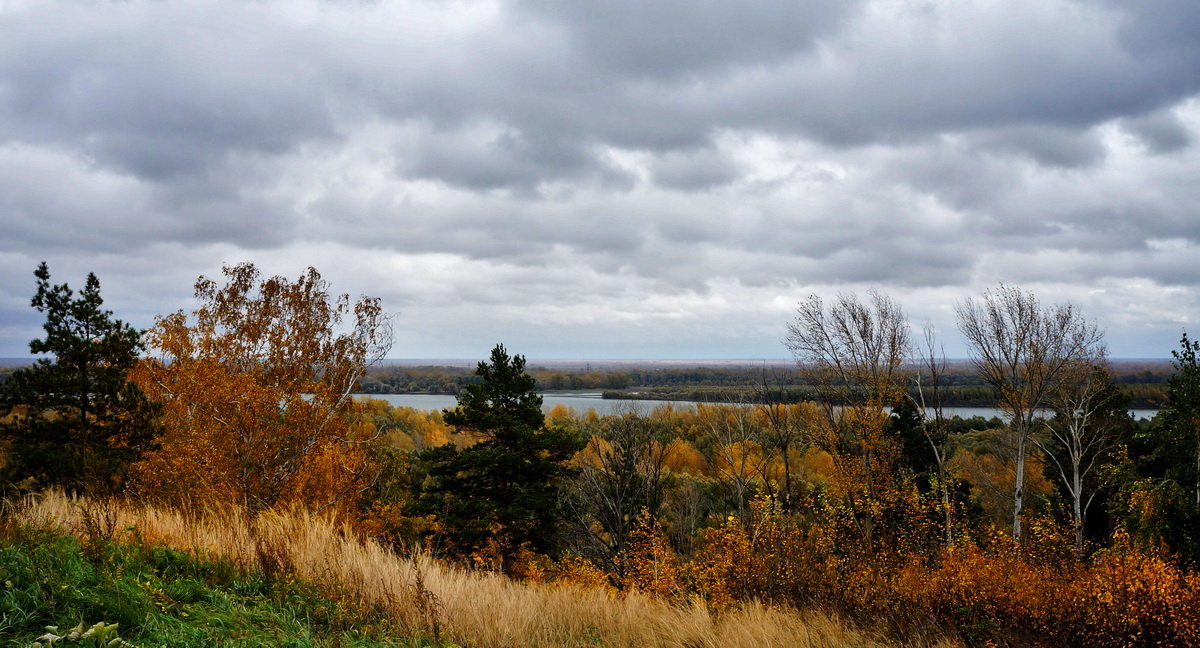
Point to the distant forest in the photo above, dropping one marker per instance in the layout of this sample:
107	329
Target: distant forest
1144	382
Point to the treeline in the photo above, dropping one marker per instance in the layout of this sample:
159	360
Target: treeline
1144	383
1140	396
450	380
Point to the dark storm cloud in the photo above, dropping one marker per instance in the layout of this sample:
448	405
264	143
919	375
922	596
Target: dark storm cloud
663	79
1048	146
882	72
164	92
911	69
159	93
672	38
693	170
1161	131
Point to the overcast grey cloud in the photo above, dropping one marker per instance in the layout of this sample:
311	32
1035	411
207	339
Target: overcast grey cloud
609	179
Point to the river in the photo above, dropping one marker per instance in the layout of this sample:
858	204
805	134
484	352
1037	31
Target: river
582	401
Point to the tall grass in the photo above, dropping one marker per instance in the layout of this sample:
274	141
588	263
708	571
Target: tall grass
157	596
427	597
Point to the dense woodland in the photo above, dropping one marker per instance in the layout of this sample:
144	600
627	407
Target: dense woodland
849	494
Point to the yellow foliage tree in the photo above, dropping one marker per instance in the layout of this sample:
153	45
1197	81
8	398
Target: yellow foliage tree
256	391
653	567
683	457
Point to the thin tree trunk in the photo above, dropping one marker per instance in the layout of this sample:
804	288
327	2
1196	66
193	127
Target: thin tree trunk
1078	497
786	499
946	503
1019	487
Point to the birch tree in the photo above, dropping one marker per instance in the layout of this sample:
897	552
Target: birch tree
1024	351
256	389
930	361
854	352
1089	414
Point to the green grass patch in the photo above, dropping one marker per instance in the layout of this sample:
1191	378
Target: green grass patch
163	597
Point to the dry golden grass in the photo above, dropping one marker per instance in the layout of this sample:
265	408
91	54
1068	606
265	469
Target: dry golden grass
467	607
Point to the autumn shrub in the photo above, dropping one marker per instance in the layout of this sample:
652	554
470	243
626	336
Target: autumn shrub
1126	596
1130	596
652	566
983	589
727	568
982	594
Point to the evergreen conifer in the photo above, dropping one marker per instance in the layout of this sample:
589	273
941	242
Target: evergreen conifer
502	493
74	420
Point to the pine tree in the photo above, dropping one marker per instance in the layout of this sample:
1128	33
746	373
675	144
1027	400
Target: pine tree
501	493
74	419
1181	417
1160	502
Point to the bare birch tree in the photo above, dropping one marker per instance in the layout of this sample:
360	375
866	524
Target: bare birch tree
854	349
855	352
1024	351
1083	433
930	361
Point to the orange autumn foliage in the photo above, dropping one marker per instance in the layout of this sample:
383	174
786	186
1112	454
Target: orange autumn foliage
405	428
988	592
651	565
727	568
1126	596
255	386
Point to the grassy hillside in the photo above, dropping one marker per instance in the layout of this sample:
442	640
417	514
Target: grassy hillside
164	597
293	580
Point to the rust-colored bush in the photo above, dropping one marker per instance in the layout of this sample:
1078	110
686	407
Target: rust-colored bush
651	565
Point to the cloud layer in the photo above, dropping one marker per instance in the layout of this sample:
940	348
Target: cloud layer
609	179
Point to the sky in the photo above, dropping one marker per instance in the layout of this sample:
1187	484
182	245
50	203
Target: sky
609	179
